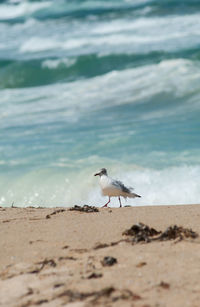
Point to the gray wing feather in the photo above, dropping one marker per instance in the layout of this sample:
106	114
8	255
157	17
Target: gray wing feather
121	186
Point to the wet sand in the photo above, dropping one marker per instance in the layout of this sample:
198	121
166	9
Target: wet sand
56	257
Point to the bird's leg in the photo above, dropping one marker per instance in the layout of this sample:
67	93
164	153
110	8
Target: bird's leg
106	204
120	201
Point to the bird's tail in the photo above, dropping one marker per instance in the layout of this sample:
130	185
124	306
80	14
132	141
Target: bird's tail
133	195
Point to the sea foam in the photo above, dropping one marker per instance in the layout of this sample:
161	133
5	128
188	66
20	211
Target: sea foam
24	8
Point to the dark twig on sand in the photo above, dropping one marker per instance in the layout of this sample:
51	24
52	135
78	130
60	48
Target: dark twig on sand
48	216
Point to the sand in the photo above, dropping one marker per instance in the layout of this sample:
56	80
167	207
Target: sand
48	257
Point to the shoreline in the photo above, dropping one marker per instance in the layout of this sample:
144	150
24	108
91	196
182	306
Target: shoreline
48	252
99	207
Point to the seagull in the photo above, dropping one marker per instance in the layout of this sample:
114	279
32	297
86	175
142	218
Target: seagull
113	188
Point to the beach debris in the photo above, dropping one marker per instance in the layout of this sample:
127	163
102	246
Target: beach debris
103	245
42	264
94	275
57	211
143	233
48	216
80	296
58	285
67	258
40	302
164	285
34	303
104	296
85	208
65	247
105	292
174	232
108	261
125	294
141	228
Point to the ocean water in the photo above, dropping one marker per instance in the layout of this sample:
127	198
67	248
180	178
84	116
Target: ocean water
92	84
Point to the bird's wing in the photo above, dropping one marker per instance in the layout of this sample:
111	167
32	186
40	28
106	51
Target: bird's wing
118	184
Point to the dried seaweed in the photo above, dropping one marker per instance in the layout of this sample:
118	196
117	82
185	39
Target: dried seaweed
174	232
143	233
81	296
141	228
108	295
85	208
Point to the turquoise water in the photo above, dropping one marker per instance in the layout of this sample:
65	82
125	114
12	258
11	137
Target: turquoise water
92	84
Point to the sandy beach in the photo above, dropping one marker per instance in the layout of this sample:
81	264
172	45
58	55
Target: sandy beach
57	257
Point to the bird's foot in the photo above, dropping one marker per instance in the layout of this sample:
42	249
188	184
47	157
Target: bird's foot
105	206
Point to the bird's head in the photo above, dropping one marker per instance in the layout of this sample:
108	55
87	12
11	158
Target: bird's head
103	171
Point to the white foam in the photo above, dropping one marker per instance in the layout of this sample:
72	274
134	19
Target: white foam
53	64
22	8
39	44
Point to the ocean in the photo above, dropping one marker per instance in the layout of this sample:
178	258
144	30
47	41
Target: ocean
92	84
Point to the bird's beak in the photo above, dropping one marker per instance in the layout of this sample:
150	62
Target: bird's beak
97	174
